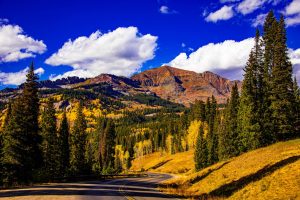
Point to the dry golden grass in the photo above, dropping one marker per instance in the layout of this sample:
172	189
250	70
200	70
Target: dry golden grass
248	173
157	162
284	183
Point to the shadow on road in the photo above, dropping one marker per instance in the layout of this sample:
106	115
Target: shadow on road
134	187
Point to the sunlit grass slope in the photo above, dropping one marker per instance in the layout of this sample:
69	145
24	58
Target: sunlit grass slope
271	172
166	163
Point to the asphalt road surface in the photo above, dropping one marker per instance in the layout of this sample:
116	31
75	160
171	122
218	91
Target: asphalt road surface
143	188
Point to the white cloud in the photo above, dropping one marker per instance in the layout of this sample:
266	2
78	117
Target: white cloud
183	45
226	55
15	45
292	21
259	20
295	59
17	78
293	12
248	6
120	52
166	10
223	13
227	58
293	8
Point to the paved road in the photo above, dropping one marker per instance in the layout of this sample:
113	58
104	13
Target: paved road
143	188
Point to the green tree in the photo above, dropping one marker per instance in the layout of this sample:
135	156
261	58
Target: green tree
269	34
64	145
201	151
249	126
282	97
50	147
107	144
230	143
78	143
22	154
212	139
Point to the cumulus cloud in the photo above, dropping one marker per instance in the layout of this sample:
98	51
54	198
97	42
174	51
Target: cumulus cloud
120	52
223	13
226	55
293	12
293	8
259	20
15	45
227	58
166	10
17	78
248	6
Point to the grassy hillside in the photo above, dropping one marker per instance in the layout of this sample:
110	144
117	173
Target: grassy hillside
267	173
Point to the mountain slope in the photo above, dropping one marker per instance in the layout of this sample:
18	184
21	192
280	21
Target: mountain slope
182	86
266	173
169	83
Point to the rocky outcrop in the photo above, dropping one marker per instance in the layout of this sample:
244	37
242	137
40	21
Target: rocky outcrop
183	86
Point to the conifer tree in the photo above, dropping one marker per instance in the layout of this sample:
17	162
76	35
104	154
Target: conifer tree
282	97
269	34
201	151
22	154
50	141
64	144
107	144
78	143
231	132
212	139
249	126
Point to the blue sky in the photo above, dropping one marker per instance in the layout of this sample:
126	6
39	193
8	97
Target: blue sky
86	38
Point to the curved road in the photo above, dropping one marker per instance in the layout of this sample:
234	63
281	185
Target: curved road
143	188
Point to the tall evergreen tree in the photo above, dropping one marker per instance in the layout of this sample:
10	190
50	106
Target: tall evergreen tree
230	142
201	151
107	144
22	155
249	126
212	139
269	34
78	143
64	145
50	141
282	97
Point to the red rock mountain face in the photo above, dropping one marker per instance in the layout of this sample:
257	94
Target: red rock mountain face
182	86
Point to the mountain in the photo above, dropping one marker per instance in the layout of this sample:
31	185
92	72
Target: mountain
168	83
183	86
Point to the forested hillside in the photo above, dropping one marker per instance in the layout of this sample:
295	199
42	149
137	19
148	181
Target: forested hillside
75	127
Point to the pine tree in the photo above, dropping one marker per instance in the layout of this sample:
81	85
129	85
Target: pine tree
212	139
64	145
78	143
249	126
50	147
270	29
230	136
282	97
22	155
107	144
201	151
